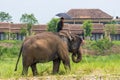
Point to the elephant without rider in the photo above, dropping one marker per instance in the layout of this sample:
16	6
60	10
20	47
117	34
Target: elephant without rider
48	46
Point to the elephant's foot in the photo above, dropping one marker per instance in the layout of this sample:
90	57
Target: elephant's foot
35	73
56	65
34	69
25	71
54	72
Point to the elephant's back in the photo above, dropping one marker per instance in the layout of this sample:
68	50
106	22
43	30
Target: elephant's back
47	35
44	42
42	46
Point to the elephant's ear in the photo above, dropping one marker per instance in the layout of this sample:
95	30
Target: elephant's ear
73	37
81	39
66	34
76	37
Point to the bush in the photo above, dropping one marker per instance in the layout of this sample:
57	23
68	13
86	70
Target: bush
1	50
9	51
102	45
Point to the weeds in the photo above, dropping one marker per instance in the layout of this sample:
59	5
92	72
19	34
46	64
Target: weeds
108	64
90	65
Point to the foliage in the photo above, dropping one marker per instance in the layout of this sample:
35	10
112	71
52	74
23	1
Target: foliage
23	31
1	50
116	42
7	35
30	20
52	25
90	65
9	52
13	36
87	25
110	28
102	45
12	49
5	17
11	41
112	22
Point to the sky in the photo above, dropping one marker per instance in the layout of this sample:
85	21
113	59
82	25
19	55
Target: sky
45	10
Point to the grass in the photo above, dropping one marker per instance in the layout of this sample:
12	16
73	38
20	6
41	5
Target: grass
108	64
116	42
10	41
90	64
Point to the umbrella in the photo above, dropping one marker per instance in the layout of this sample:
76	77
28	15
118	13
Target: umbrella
64	15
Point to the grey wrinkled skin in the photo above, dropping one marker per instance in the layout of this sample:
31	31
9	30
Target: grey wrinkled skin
45	47
73	42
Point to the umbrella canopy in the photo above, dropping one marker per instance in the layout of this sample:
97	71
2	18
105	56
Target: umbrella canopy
64	15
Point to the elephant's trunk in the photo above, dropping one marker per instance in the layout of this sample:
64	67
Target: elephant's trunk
77	57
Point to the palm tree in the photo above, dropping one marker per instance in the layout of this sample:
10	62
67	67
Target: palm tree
30	20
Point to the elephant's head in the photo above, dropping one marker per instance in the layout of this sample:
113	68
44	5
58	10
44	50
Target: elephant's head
75	48
74	45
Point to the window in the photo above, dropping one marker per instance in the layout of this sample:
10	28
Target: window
2	36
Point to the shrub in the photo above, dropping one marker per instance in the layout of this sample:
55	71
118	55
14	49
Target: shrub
1	50
102	45
9	51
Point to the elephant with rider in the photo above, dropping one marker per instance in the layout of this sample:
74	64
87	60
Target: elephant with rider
49	46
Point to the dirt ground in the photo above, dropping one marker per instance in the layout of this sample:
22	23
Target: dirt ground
71	77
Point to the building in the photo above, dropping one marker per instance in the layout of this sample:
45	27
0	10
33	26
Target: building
95	15
15	30
97	32
98	17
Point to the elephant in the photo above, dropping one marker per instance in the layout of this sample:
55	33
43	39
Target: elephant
49	46
73	42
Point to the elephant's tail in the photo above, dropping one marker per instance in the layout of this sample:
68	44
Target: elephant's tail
18	58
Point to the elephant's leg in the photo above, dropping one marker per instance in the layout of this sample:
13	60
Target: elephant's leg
56	65
25	70
34	69
26	65
66	63
64	56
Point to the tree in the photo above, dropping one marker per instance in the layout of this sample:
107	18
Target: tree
5	17
30	20
52	25
87	26
110	29
7	35
23	31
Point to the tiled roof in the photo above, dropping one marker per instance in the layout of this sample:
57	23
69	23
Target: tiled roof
88	13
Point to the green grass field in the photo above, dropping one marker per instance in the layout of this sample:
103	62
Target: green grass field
108	64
